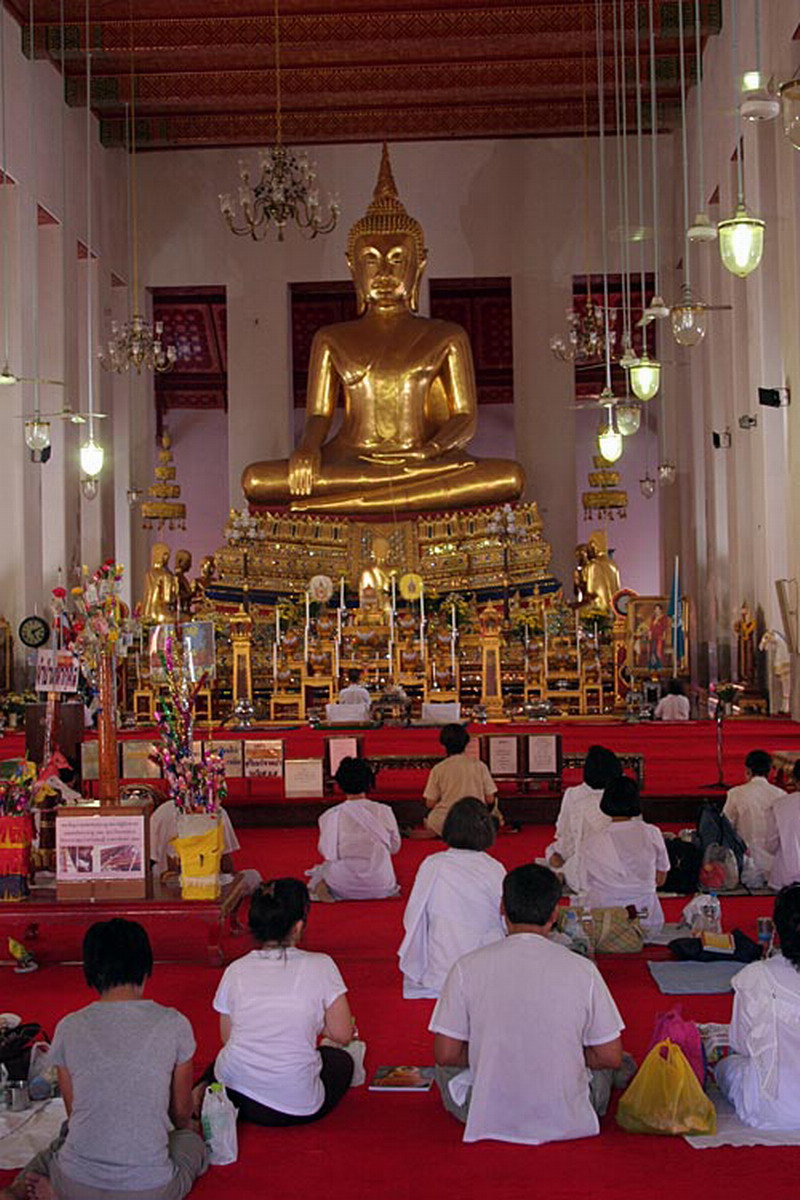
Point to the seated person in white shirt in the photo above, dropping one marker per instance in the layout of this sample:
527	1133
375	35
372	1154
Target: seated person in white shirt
454	906
761	1077
521	1025
785	846
357	840
355	692
675	705
580	813
749	810
624	863
163	857
456	776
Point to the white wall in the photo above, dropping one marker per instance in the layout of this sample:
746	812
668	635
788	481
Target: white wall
733	516
46	525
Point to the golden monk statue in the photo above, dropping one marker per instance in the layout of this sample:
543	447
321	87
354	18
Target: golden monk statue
160	588
601	574
410	404
184	589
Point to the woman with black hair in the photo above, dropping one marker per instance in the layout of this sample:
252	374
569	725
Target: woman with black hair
125	1071
761	1078
579	814
273	1004
454	906
357	840
624	863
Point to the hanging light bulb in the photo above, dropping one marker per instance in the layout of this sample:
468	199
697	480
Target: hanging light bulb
37	434
609	438
92	456
741	242
89	488
629	417
688	319
645	377
741	237
647	486
667	472
701	230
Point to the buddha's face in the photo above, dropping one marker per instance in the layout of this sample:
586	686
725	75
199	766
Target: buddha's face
386	270
159	555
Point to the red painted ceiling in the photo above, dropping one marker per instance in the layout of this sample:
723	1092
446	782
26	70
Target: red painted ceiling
358	70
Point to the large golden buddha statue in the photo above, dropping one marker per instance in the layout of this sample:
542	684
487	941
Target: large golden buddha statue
410	404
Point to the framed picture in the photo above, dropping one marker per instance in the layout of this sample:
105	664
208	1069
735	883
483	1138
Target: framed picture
649	635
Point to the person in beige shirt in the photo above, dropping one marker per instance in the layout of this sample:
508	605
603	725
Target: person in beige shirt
456	776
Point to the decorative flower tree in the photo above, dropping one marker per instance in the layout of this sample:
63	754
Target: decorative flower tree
92	632
196	785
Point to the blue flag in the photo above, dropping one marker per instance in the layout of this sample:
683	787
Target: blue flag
675	613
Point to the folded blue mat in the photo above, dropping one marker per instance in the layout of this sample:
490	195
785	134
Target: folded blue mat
694	978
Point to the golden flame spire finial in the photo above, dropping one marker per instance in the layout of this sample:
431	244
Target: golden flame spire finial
386	212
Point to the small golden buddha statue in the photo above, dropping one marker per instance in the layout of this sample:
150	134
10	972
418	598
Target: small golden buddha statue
375	584
160	588
410	402
601	574
208	569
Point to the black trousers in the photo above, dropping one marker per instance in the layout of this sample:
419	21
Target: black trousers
336	1073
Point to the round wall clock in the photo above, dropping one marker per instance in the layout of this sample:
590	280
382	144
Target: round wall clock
34	632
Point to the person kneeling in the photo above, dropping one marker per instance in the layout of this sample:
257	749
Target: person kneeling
125	1072
273	1005
521	1025
760	1077
357	840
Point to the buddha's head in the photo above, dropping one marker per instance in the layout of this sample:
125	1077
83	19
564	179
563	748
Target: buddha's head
159	555
386	248
183	561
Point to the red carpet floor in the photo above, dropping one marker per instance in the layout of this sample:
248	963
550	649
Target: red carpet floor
406	1147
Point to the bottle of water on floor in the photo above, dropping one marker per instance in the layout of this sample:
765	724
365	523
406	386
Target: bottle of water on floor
712	914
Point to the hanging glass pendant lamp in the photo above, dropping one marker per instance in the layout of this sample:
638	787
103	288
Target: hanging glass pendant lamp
741	237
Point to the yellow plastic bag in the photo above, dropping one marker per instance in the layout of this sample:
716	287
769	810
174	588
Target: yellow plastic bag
666	1097
200	854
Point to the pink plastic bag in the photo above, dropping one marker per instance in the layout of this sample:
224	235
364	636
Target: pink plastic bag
682	1033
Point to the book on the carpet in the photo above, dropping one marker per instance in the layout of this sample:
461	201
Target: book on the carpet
718	943
402	1079
716	1040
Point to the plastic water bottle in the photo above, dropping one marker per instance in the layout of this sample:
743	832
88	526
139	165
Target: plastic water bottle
576	933
712	913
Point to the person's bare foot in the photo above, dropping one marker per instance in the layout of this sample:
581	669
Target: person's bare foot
39	1188
421	834
322	892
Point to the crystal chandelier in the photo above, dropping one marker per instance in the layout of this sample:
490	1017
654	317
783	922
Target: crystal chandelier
135	343
667	472
586	340
647	485
286	189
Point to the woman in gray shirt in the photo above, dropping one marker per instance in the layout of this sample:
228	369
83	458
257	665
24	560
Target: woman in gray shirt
125	1071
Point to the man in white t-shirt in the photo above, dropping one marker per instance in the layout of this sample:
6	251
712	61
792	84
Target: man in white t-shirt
522	1025
355	692
749	810
674	706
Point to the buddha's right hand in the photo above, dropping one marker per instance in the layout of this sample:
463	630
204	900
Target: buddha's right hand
303	470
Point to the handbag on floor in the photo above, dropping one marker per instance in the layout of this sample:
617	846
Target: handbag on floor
614	930
665	1096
